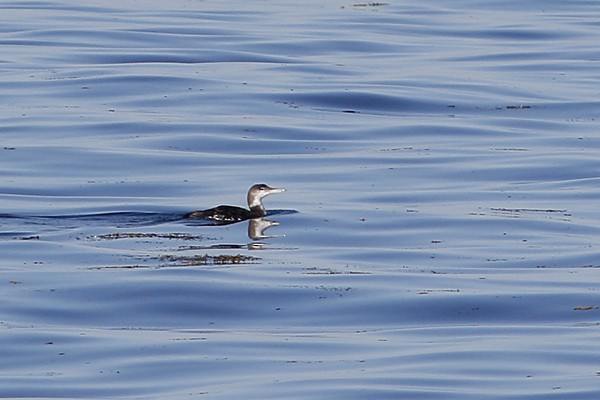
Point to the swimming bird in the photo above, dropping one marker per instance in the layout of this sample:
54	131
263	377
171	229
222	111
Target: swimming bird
228	214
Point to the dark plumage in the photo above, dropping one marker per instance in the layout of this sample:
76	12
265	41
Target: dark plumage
226	214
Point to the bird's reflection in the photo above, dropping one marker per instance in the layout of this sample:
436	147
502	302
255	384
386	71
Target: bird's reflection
256	230
258	226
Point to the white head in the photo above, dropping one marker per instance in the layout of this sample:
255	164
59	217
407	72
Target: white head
258	191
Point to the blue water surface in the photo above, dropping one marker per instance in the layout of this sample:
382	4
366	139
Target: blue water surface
438	238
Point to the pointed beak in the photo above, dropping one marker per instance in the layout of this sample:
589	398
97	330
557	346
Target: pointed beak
276	190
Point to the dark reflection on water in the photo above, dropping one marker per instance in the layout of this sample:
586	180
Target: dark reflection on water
256	226
117	219
128	219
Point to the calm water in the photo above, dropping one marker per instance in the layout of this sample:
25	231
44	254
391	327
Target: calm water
438	238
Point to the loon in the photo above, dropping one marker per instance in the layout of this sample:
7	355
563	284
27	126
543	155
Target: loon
229	214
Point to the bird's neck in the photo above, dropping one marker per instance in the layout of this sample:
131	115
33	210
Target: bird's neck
258	209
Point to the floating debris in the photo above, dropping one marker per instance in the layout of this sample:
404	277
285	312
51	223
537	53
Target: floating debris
429	291
585	308
514	107
34	237
329	271
509	149
532	210
373	4
205	259
140	235
519	212
172	260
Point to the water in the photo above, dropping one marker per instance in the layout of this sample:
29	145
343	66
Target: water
438	235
